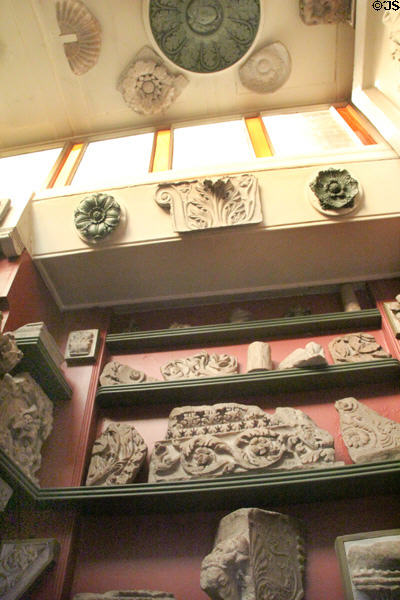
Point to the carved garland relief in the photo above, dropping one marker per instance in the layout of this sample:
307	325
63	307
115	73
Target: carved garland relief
356	347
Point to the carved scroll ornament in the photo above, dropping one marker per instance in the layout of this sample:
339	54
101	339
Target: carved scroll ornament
210	441
200	365
115	373
256	554
117	456
356	347
375	569
368	436
317	12
207	204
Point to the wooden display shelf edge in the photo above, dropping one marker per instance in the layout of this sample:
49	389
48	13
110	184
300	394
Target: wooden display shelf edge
249	384
248	331
232	492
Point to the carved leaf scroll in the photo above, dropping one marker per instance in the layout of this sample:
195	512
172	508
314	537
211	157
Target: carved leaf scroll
206	204
200	365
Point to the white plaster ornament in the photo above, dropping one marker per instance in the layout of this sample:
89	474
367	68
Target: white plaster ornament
312	355
267	69
115	373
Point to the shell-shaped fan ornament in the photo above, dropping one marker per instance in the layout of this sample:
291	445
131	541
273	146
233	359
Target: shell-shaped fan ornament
267	69
74	17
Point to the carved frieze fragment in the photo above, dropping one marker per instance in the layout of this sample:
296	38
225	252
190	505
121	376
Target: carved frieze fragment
312	355
259	357
5	494
74	17
146	84
40	330
375	568
117	456
319	12
115	373
356	347
126	595
82	346
257	554
267	69
26	420
335	192
10	355
368	436
201	364
96	217
207	204
392	310
22	562
228	438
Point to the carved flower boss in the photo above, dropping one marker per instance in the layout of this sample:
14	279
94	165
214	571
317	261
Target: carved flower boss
97	216
335	189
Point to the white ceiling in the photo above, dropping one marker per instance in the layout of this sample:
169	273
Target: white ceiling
42	100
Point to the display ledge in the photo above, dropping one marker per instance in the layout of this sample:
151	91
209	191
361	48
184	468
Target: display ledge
248	331
38	362
249	384
265	489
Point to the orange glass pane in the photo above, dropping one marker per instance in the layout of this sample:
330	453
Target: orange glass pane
68	165
354	121
161	160
258	137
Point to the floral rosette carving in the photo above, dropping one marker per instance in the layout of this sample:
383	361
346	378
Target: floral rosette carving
335	189
260	447
96	217
206	455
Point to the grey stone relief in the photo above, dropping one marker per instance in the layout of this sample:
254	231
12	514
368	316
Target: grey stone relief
201	364
356	347
207	204
126	595
228	438
368	436
375	568
117	456
10	355
115	373
321	12
22	562
267	69
82	345
26	420
312	355
96	217
335	192
257	554
147	86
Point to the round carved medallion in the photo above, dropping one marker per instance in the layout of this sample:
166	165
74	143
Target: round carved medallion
96	217
204	36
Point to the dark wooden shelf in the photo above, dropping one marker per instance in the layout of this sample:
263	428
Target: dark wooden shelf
260	383
243	332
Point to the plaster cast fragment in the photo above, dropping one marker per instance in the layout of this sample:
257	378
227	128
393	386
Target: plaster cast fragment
201	364
349	298
312	355
115	373
322	12
356	347
10	355
392	310
267	69
259	357
375	569
82	345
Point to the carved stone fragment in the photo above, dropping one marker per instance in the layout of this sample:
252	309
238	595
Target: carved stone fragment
335	192
22	562
267	69
126	595
40	330
356	347
375	569
317	12
26	420
228	438
5	494
392	310
257	554
200	365
82	345
312	355
10	355
207	204
349	298
147	86
73	16
368	436
259	357
96	217
117	456
115	373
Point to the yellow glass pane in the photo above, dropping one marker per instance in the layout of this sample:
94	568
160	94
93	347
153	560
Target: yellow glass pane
258	137
162	151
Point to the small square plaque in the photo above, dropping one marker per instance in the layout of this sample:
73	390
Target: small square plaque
82	346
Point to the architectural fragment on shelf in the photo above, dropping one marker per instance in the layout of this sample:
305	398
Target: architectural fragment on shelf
10	355
368	436
82	346
312	355
26	420
96	217
74	17
22	562
375	568
349	298
267	69
317	12
115	373
240	315
5	494
40	330
335	192
257	554
204	36
356	347
228	438
146	84
259	357
126	595
201	364
117	456
206	203
392	310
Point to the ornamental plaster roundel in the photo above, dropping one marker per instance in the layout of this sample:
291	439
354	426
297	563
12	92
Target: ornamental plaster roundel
204	36
334	192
